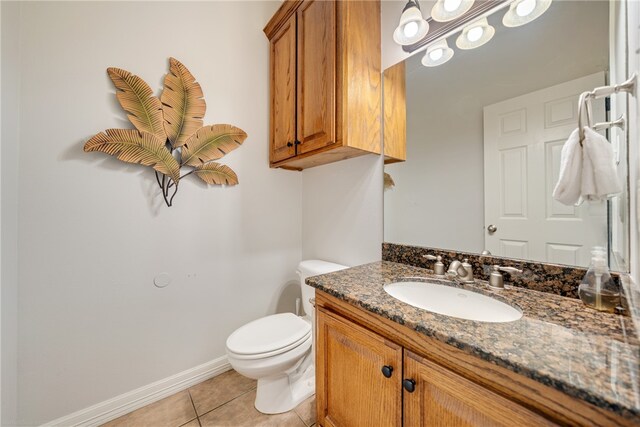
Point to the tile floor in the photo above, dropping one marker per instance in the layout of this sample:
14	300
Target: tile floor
225	400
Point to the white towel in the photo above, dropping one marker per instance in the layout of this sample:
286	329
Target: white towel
599	175
568	188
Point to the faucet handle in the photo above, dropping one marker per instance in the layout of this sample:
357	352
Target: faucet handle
495	278
438	267
508	269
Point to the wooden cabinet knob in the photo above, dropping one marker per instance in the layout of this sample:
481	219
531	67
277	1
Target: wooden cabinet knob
289	144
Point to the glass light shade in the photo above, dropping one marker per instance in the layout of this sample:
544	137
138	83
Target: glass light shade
437	54
448	10
451	5
524	11
412	27
475	34
525	7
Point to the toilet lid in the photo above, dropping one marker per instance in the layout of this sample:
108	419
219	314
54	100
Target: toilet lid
268	334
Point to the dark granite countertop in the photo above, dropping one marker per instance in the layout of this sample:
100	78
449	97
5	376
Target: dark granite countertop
558	342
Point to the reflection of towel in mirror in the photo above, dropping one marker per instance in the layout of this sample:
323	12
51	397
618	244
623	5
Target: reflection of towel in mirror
599	174
568	188
587	172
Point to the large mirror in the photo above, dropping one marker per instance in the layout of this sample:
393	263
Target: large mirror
484	133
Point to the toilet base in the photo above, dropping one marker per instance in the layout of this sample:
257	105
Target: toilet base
282	393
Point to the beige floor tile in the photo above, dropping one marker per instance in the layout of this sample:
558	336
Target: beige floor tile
307	411
192	423
172	411
241	413
219	390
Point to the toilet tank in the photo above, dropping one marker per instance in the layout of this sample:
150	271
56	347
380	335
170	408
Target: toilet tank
313	267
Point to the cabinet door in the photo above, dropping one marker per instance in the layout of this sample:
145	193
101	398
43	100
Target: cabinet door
316	75
283	92
444	398
351	387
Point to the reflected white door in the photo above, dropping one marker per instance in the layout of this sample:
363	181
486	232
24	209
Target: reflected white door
523	139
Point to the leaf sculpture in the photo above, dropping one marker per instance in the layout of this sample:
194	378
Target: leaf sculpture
211	143
215	173
183	104
132	146
136	98
169	135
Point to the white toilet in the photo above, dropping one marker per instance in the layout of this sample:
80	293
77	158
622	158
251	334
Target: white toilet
278	351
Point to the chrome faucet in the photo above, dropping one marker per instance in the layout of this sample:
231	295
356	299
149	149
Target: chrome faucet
462	271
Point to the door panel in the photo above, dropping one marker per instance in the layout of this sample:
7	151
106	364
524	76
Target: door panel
523	139
351	388
513	164
444	398
316	74
283	92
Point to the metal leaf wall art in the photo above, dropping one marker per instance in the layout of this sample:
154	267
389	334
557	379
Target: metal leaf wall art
169	132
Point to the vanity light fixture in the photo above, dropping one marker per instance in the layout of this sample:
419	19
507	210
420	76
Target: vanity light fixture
448	10
412	26
437	54
524	11
475	34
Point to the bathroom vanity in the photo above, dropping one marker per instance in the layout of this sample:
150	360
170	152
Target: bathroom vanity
383	362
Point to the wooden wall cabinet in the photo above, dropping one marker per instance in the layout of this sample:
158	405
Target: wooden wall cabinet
325	82
371	371
395	113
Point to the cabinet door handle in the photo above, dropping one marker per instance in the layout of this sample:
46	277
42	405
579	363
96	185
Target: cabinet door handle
409	385
298	142
289	144
387	371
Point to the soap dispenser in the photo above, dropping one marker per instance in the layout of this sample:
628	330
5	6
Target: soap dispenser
597	289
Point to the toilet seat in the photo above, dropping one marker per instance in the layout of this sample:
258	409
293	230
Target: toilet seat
291	346
268	336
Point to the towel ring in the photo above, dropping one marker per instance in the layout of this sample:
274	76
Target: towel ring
629	86
584	104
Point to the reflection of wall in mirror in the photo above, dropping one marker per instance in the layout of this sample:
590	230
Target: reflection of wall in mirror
439	195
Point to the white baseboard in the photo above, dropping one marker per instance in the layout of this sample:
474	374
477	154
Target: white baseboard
113	408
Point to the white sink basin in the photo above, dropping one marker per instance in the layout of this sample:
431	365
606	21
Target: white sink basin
453	301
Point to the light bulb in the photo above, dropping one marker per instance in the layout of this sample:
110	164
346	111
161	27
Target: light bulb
475	33
410	29
525	7
436	54
451	5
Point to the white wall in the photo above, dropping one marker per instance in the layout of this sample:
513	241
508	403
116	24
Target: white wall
93	232
10	89
342	211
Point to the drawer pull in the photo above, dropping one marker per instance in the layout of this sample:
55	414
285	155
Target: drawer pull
409	385
387	371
